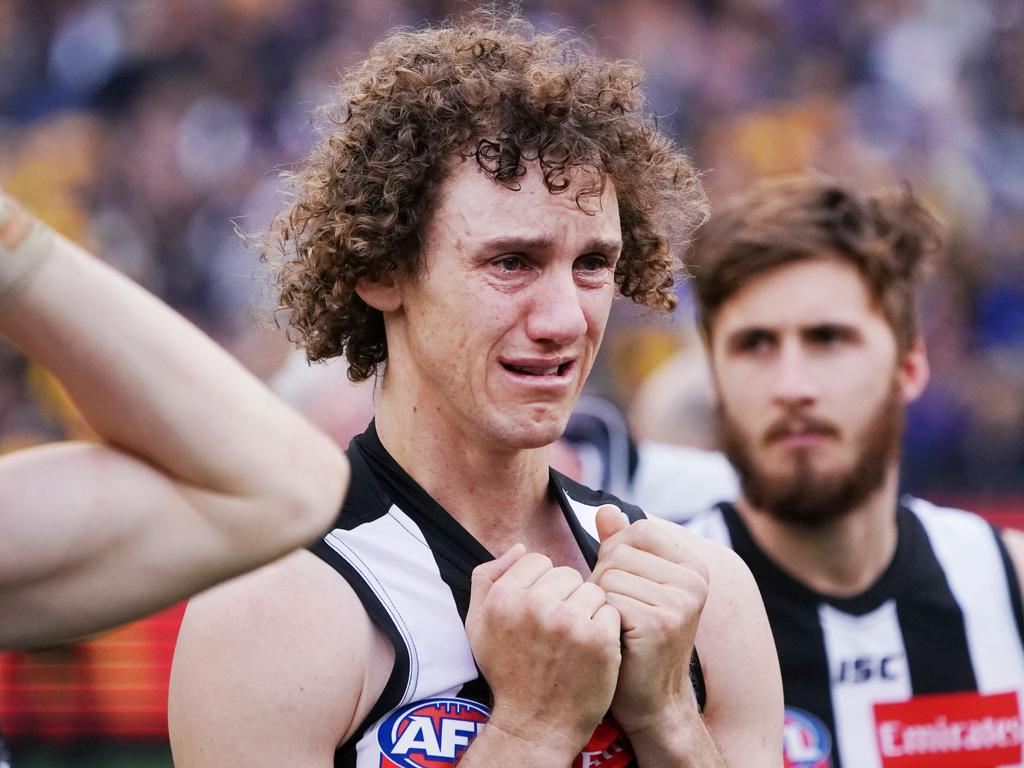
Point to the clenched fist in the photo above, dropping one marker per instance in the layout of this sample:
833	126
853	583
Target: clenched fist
548	644
654	577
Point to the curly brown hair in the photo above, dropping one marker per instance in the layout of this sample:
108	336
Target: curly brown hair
488	89
887	234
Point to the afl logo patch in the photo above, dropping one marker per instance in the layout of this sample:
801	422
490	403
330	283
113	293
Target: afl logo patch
430	734
806	741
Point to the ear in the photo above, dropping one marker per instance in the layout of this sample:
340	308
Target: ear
912	375
382	294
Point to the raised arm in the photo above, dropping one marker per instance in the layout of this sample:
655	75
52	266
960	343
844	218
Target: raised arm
199	472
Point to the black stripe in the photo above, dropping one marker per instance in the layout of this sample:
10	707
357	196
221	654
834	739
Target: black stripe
930	618
1013	582
478	690
565	489
364	503
455	550
799	638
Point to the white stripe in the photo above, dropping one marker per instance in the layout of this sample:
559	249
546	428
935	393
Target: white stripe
587	516
711	525
392	556
966	548
863	640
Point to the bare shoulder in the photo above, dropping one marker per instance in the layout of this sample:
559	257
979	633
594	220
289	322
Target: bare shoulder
1014	541
285	649
744	707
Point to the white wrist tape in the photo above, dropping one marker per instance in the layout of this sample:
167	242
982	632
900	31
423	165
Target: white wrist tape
25	244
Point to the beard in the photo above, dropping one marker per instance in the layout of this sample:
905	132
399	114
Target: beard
806	496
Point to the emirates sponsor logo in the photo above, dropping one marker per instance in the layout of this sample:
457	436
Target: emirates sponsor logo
951	731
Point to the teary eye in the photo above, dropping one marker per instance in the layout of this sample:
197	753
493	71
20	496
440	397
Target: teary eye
511	262
591	262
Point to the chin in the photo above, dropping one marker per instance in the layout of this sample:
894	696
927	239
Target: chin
531	433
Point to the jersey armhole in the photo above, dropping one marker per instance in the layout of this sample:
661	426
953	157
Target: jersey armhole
700	690
398	681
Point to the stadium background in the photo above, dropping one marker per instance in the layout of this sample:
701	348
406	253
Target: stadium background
146	128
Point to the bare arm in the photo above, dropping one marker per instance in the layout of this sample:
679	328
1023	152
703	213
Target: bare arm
744	711
276	668
281	666
200	472
1014	542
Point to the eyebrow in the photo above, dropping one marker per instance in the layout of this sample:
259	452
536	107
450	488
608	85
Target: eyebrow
546	242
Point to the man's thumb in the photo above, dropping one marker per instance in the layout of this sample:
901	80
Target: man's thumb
610	520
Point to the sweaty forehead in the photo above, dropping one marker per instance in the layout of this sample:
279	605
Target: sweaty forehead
475	207
826	290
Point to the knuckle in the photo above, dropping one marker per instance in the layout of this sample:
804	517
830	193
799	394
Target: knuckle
536	558
588	589
643	527
568	575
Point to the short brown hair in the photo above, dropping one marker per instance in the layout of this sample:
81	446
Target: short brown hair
491	90
888	235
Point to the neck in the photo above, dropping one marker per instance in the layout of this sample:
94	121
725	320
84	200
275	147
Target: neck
498	494
841	558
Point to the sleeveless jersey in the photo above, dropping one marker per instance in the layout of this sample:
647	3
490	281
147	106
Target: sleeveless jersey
410	563
924	669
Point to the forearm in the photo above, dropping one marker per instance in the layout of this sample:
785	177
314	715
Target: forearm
683	741
150	383
497	748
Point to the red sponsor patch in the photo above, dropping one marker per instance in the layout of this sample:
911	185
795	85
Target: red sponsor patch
960	730
607	748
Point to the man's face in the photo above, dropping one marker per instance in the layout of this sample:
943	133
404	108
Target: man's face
500	331
811	391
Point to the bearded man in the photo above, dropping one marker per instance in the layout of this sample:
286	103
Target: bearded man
898	624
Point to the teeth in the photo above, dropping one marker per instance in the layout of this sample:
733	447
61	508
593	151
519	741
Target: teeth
536	371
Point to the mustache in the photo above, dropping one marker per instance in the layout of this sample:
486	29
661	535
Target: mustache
799	423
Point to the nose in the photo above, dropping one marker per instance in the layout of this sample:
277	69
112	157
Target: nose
794	382
555	314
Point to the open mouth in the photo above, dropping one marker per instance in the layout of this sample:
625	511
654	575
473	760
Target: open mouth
530	370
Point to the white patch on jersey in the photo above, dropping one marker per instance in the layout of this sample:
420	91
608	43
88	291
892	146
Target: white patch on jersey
392	556
873	636
676	482
966	548
711	525
586	514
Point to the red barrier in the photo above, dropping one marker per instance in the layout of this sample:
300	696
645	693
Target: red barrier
114	686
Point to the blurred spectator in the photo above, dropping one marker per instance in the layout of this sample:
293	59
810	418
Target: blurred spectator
156	122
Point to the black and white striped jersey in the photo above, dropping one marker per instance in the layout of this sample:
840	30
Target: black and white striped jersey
924	669
411	563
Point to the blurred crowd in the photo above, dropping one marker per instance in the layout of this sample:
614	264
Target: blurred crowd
154	130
